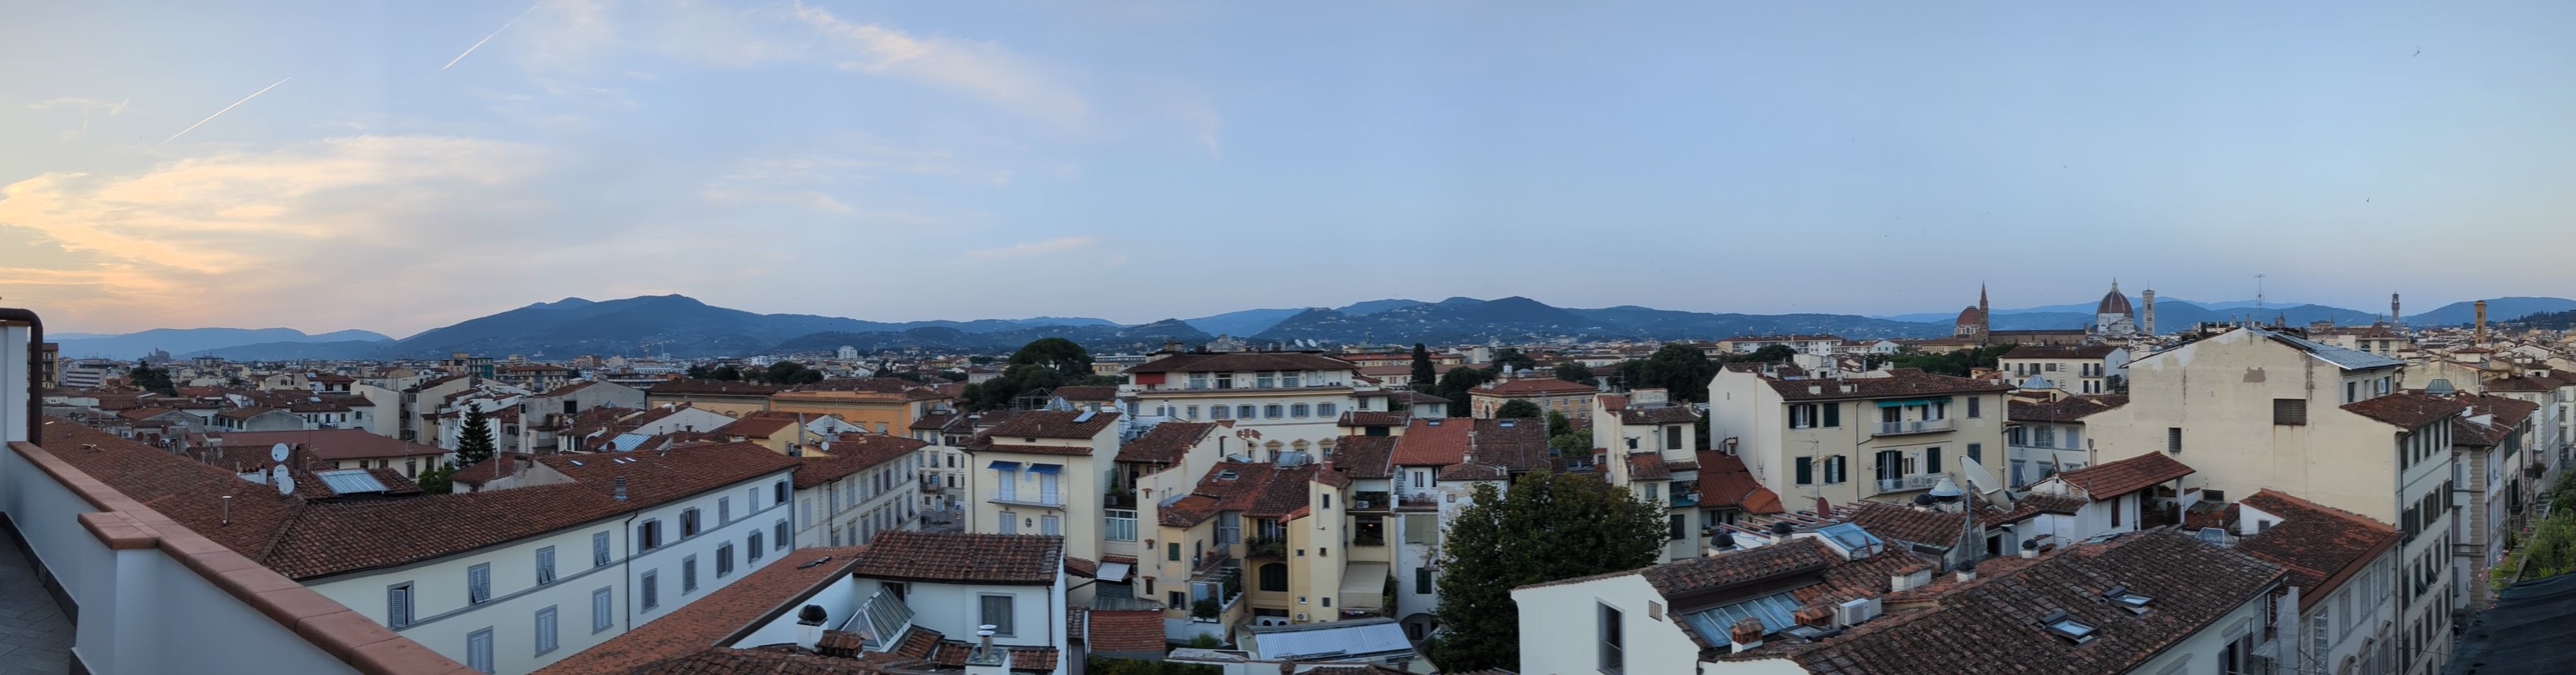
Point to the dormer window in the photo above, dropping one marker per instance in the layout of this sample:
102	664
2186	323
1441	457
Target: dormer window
2134	602
2067	628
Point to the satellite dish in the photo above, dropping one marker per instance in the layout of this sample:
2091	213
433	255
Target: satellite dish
1983	482
285	481
277	453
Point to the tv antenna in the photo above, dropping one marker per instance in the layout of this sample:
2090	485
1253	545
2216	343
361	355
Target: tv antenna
2258	294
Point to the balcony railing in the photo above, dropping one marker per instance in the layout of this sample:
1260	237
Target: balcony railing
1914	427
1023	499
1420	501
1685	495
1271	548
1914	482
1372	501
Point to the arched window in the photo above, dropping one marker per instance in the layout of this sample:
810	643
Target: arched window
1274	577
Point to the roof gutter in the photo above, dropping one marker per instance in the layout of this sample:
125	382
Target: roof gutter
35	369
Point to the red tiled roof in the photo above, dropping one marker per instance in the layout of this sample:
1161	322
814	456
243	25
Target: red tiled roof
2406	410
853	453
1889	521
711	387
1138	631
755	427
1433	443
1364	456
2056	352
1055	424
2069	409
328	444
1085	393
709	621
1647	466
1257	490
1241	362
999	559
1374	418
1535	386
1066	450
1165	443
1670	414
2508	415
2321	547
2102	482
1725	482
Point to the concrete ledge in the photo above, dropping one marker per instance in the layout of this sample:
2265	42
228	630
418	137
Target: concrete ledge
126	525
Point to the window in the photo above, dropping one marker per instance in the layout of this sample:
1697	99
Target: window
1298	410
1265	380
724	560
1976	407
751	549
1613	656
1270	411
1806	471
602	608
1422	581
652	588
689	574
2351	392
1836	470
545	565
1193	412
545	630
1932	460
478	584
689	523
478	651
2173	439
1172	551
2290	411
778	492
1676	525
1324	410
778	534
1274	577
1672	438
2116	503
1288	380
398	606
1802	416
1244	412
1369	530
1220	412
1977	453
724	510
997	613
649	535
598	549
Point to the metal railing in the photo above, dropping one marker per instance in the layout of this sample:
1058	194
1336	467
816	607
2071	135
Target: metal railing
1914	482
1914	427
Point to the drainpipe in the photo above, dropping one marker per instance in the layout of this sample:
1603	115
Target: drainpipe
35	370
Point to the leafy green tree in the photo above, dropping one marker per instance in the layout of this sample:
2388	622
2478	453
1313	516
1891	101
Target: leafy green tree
789	373
1546	528
1517	409
1424	373
1576	372
1681	370
1459	386
1063	356
1510	359
1954	364
1045	364
438	479
728	373
1558	425
474	445
156	380
1771	354
1576	443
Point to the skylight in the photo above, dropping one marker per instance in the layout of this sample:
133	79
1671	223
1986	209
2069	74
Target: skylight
2134	602
2067	628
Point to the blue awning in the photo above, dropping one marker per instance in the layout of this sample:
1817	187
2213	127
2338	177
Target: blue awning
1911	402
1005	466
1045	468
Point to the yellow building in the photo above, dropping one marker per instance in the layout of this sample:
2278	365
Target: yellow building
878	404
1574	399
1257	543
732	399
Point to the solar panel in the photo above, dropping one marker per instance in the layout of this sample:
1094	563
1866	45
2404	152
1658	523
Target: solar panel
350	481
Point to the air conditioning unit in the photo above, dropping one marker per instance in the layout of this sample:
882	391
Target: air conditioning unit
1301	616
1360	503
1854	612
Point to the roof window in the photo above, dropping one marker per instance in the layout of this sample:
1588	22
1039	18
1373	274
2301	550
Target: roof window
2134	602
2067	628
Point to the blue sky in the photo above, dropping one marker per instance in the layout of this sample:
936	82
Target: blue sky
1142	160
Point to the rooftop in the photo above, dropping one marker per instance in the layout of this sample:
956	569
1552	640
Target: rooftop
999	559
719	617
1241	362
2107	480
2318	546
2069	409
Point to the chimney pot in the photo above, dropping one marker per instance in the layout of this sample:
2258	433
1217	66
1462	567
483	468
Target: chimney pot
1967	575
1747	634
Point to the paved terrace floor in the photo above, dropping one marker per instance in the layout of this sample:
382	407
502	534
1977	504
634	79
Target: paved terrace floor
2528	632
35	637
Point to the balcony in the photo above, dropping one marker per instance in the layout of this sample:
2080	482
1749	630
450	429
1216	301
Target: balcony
1042	500
1915	427
1685	495
1908	483
1419	501
1266	548
1372	501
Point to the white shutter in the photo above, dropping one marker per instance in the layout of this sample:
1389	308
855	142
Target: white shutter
546	565
478	583
599	609
398	606
599	549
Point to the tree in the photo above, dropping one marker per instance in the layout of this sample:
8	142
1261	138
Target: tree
1771	354
1517	409
728	373
1061	355
1424	374
475	444
1576	372
1510	359
1548	527
1577	443
789	373
1045	364
438	479
1459	386
153	379
1558	425
1954	364
1681	370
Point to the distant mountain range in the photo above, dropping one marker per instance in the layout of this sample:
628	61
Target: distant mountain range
684	327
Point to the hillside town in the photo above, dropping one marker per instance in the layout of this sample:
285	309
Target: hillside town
2117	497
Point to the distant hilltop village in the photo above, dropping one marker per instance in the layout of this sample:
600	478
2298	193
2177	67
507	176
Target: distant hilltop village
2238	496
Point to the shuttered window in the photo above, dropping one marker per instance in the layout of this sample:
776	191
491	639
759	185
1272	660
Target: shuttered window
602	608
724	510
1806	471
599	549
398	606
724	560
1932	460
545	565
689	574
478	651
545	630
779	534
751	550
478	584
2290	411
652	589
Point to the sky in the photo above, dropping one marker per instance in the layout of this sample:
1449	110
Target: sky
398	166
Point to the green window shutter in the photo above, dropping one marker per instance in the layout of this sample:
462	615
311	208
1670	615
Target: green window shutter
1806	470
1833	414
1932	460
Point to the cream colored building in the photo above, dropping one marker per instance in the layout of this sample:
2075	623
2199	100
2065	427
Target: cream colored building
1043	472
2252	409
1286	401
2080	369
1882	435
1656	442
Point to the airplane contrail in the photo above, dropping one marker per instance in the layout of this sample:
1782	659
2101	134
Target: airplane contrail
496	32
218	113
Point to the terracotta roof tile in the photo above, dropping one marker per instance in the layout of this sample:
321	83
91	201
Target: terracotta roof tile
2104	481
1165	443
328	444
1647	466
1126	631
757	427
1241	362
1669	414
1055	424
2069	409
710	387
853	453
1535	386
1375	418
2406	410
2319	546
708	621
1433	443
1364	456
1086	393
1001	559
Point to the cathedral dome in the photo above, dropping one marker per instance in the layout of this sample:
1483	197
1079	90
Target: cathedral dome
1971	317
2115	303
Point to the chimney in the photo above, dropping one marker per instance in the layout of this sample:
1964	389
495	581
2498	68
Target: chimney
2030	548
621	488
984	639
1818	615
1747	634
2482	323
1967	574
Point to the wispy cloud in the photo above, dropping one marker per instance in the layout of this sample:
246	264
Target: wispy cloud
982	69
1032	249
87	108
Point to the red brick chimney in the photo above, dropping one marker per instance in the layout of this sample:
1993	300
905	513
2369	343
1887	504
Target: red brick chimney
1747	634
